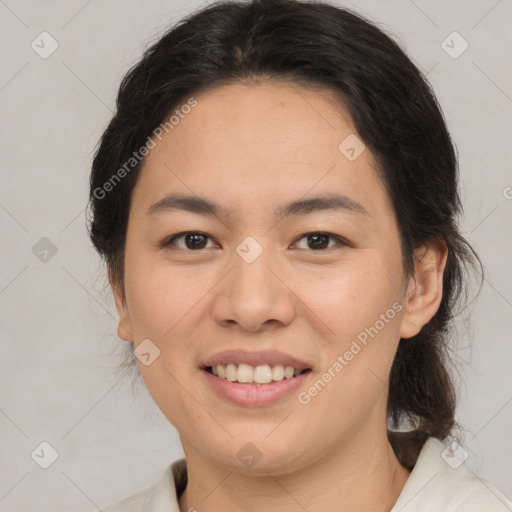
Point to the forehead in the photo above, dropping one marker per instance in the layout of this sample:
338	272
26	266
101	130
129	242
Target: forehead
262	144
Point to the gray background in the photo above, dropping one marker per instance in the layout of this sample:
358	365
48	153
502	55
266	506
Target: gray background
59	340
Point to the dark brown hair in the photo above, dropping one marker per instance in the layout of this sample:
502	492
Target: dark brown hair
396	115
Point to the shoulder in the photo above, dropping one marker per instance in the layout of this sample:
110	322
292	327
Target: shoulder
440	481
162	496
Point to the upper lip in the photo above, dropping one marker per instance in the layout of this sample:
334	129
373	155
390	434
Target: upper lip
255	359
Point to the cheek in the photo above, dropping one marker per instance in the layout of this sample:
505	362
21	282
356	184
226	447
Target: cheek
161	298
351	296
360	304
162	308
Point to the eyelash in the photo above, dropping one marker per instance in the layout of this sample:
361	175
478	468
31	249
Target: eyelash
170	240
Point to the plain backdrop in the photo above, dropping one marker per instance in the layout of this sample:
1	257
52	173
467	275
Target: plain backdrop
58	328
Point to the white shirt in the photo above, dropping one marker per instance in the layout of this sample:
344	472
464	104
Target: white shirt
436	484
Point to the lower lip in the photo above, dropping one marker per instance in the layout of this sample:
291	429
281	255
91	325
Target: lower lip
255	395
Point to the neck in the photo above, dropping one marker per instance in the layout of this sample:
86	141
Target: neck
367	476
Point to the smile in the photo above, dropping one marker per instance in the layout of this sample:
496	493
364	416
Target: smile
248	374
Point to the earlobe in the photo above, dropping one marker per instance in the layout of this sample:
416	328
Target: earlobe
124	333
425	287
124	330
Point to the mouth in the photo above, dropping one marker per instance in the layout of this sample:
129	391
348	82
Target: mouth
254	378
262	374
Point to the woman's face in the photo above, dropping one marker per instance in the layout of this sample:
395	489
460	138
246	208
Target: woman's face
253	287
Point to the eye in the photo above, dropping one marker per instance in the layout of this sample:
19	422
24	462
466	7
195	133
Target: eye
318	241
193	240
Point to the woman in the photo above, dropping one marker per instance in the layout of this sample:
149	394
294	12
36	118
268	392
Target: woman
276	201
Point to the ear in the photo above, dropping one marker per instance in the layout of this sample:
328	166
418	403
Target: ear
425	287
124	328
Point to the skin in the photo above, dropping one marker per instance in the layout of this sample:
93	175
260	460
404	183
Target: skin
251	148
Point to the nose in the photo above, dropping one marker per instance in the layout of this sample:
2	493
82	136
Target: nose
254	296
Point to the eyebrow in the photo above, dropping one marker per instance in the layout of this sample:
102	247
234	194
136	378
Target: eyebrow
206	207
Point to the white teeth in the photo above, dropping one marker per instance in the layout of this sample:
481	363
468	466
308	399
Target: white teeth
231	372
278	372
288	372
244	373
261	374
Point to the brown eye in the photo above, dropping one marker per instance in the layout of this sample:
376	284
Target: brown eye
196	241
320	241
193	240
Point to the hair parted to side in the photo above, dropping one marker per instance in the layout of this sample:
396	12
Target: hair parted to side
396	115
